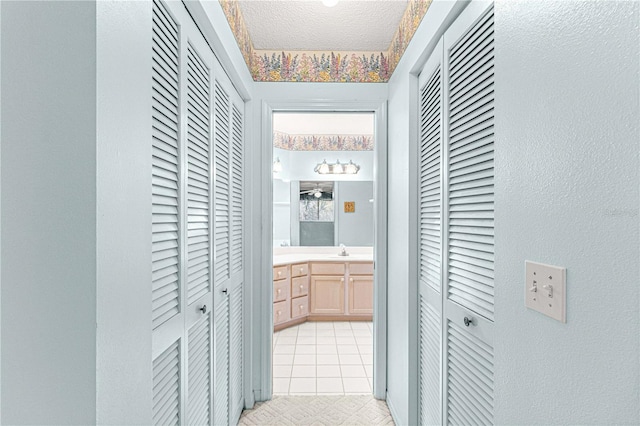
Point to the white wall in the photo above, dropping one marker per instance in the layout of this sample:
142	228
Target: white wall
567	144
123	184
48	213
354	229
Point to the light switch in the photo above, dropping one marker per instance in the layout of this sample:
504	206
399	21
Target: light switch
545	289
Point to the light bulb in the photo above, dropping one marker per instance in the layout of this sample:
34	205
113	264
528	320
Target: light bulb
317	194
277	166
351	169
337	168
322	168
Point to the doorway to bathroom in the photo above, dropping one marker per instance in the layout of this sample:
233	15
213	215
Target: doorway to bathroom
327	329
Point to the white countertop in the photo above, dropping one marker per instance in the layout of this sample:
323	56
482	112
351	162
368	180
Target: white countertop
288	255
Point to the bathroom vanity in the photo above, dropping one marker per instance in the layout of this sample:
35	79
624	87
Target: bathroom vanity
318	284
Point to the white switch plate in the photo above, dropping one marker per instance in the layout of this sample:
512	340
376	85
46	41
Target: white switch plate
545	289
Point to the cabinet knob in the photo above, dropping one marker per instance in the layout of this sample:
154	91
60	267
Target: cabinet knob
279	290
225	291
279	273
203	309
301	306
279	312
341	280
350	280
301	270
468	321
301	286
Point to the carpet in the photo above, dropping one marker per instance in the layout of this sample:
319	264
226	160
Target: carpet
318	411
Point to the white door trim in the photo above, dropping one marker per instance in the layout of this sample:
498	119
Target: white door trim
263	363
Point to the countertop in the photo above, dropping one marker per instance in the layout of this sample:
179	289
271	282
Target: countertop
289	255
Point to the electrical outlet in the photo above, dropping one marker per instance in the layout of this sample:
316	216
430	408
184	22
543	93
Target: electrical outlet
545	289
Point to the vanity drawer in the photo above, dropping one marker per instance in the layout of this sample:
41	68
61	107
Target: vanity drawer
280	290
300	307
299	286
280	273
327	269
361	268
281	312
299	270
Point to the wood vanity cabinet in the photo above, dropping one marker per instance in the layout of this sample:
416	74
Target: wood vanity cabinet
329	297
290	295
281	286
361	288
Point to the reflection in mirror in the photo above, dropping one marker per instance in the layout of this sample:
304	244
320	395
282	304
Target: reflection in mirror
317	225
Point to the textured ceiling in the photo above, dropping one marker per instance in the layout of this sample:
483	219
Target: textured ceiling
351	25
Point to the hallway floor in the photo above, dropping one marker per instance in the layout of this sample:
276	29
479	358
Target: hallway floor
319	410
323	358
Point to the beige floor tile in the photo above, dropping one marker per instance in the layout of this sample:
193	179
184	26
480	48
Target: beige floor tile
343	340
329	384
355	385
327	332
342	325
303	371
328	359
347	349
324	325
344	332
362	332
349	359
326	340
289	332
361	340
328	371
302	385
365	349
353	371
287	340
305	349
306	340
280	371
367	358
282	359
326	349
284	349
304	359
281	386
369	370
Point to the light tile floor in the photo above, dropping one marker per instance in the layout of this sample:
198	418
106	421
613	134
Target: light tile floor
323	358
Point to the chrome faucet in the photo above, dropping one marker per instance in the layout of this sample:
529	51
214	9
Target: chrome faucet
343	251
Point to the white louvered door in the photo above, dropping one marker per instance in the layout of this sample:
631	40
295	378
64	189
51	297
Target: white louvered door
431	205
197	175
229	250
469	234
456	224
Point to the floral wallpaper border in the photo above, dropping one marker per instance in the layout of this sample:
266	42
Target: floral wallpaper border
322	142
347	67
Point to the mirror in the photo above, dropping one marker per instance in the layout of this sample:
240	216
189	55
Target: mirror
323	179
342	214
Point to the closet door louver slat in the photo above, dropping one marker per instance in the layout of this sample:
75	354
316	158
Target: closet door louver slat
198	193
166	387
221	363
236	355
471	152
430	350
430	132
165	171
470	378
199	373
237	188
222	183
430	185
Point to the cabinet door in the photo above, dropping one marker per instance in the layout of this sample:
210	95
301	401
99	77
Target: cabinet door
361	295
327	295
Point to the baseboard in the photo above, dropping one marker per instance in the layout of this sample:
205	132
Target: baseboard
392	410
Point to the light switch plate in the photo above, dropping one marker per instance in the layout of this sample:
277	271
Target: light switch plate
545	289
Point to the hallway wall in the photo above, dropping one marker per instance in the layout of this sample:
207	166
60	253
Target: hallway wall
567	193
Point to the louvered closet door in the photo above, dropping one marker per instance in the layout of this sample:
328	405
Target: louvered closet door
229	250
469	234
430	196
182	219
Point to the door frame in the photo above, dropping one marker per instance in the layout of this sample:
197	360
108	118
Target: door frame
379	109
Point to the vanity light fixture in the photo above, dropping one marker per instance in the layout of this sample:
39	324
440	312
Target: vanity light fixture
336	168
277	165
